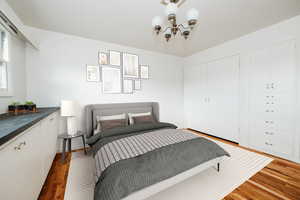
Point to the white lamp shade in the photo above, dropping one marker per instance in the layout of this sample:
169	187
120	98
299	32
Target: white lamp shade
67	108
171	9
157	21
192	14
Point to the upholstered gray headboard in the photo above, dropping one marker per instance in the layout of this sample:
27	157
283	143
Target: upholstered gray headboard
91	111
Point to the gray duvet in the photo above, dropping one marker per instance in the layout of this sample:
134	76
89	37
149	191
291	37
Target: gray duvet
132	158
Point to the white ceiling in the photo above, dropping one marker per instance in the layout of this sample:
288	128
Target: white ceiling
129	22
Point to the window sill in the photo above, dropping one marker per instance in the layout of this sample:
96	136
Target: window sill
5	93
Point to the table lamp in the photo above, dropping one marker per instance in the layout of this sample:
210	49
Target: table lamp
68	110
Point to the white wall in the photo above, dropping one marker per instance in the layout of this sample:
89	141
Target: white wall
57	71
284	31
16	74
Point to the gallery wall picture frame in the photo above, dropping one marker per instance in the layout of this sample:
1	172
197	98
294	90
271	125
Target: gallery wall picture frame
103	58
127	86
115	58
144	71
111	80
137	85
92	73
130	65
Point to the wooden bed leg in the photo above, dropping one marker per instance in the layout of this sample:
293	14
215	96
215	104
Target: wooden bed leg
218	167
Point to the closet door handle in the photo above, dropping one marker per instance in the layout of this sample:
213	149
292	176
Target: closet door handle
269	144
269	133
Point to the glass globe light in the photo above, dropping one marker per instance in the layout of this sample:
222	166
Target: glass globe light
168	34
157	24
157	21
171	9
192	17
192	14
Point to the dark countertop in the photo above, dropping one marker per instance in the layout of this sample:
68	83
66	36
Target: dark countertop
12	125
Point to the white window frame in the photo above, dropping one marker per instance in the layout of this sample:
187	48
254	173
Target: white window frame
7	92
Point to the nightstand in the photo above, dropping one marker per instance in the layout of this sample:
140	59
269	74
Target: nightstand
68	138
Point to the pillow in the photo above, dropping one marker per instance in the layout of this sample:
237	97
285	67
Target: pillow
143	119
131	115
98	128
115	123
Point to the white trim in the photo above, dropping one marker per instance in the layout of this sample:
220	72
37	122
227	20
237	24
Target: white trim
8	91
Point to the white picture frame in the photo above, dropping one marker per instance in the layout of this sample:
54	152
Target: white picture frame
111	80
127	86
130	65
144	70
103	58
137	85
115	58
92	73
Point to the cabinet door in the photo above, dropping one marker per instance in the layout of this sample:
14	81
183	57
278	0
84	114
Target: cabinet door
260	73
49	135
283	71
21	169
195	98
223	93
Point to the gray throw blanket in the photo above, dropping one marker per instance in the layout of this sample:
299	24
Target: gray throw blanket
130	162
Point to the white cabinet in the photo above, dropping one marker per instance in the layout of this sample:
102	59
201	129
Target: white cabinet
49	134
212	98
25	162
272	95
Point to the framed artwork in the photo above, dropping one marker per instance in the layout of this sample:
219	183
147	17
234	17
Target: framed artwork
144	72
137	84
128	86
115	58
130	65
111	80
92	73
103	58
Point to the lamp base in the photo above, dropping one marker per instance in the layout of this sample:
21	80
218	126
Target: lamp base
71	126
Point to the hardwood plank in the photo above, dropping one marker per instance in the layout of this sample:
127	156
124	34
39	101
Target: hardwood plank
249	191
278	186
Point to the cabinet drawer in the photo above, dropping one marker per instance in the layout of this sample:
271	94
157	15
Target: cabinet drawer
272	142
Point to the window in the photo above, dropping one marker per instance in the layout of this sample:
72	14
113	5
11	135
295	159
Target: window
4	59
3	76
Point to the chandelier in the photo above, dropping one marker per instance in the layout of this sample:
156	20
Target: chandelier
174	28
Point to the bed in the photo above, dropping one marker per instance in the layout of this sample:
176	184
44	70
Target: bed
140	160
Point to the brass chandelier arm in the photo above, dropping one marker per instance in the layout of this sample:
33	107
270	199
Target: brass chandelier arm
181	2
178	26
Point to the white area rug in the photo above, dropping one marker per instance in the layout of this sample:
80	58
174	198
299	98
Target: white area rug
208	185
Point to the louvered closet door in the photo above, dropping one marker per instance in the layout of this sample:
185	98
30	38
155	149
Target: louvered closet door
272	99
223	104
196	97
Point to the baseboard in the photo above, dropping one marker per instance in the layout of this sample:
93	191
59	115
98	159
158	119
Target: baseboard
212	135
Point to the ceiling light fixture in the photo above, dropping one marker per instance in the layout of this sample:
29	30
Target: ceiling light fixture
171	13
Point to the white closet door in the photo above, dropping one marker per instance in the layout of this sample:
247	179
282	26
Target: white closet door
196	98
223	94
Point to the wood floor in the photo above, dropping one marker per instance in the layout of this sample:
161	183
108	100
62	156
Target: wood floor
280	180
55	185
